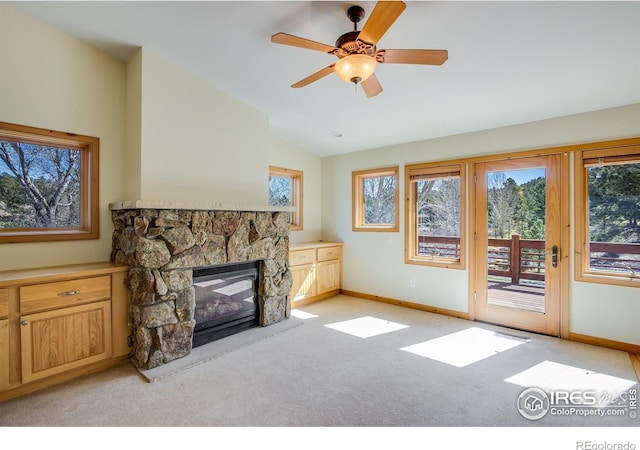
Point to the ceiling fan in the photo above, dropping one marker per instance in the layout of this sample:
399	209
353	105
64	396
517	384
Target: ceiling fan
356	50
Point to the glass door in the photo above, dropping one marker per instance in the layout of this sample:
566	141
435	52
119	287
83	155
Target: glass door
517	243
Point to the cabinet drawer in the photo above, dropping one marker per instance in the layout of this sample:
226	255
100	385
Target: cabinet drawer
64	293
298	257
329	253
4	302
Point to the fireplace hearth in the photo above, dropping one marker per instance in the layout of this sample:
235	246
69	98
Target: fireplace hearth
173	253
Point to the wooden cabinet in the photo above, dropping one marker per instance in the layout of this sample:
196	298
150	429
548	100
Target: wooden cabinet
304	282
328	276
60	323
65	338
317	271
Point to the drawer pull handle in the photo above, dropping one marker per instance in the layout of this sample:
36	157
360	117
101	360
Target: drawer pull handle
24	322
68	293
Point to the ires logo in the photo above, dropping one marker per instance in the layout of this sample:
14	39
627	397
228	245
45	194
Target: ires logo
535	403
575	398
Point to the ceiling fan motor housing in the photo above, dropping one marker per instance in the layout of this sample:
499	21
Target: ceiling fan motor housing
348	43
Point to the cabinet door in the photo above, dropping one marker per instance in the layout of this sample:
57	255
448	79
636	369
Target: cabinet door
304	282
64	339
328	276
4	354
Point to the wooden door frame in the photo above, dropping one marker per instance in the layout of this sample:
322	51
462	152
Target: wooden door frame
565	230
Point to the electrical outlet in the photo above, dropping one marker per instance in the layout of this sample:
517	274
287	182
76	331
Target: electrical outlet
412	282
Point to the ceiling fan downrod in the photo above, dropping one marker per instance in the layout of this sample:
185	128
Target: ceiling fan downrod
355	14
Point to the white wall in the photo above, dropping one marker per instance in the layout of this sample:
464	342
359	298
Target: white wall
133	159
50	80
199	144
374	262
286	155
164	133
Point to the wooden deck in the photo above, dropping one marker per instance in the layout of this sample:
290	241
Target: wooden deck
518	296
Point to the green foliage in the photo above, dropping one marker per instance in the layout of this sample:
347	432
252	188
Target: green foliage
614	203
15	211
516	209
532	207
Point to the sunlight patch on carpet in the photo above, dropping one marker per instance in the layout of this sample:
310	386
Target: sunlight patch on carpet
367	326
464	347
302	314
551	376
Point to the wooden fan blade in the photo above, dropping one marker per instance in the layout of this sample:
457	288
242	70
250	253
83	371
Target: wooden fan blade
381	18
431	57
295	41
315	77
371	86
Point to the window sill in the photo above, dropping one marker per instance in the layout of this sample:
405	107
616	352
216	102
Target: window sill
602	278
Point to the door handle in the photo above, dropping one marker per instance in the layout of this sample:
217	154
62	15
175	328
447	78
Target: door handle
554	256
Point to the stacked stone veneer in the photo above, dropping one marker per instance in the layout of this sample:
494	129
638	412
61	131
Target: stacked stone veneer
162	247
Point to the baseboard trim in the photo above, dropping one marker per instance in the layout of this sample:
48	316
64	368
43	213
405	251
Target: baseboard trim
315	298
392	301
63	377
607	343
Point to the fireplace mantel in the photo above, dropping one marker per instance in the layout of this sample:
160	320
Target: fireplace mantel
195	206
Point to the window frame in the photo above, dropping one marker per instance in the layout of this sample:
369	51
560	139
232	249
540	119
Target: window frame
434	169
583	159
89	148
357	194
297	184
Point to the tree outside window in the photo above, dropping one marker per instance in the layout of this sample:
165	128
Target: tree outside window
285	189
435	215
48	185
375	199
608	214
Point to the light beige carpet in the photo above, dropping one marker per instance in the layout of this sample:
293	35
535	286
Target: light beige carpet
206	353
353	363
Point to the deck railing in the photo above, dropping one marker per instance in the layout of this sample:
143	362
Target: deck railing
439	246
611	256
529	261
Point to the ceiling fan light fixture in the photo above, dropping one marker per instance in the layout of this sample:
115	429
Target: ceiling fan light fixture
355	68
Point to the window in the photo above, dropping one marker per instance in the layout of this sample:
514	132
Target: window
435	215
375	200
608	215
285	189
48	185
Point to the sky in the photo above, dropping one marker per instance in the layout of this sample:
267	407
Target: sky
524	175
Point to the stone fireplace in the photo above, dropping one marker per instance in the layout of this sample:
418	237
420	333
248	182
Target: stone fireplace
162	247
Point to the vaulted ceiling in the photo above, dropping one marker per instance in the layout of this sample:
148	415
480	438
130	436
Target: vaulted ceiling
509	62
